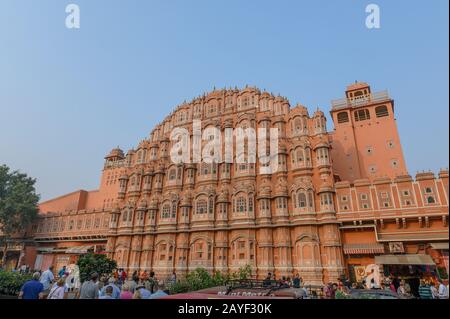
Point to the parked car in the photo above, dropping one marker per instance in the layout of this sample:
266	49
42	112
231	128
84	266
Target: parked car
374	294
246	289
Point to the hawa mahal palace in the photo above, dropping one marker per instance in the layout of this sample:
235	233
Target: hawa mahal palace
340	201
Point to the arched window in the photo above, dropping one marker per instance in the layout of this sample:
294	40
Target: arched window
431	200
318	122
326	199
310	199
322	155
293	157
201	206
298	125
250	203
299	154
301	200
211	205
342	117
362	115
264	204
174	209
381	111
172	174
162	250
165	213
241	204
308	156
208	168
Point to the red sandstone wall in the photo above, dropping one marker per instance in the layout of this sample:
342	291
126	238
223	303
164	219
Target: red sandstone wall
70	202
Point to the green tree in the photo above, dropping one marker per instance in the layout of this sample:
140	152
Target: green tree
98	263
11	282
18	203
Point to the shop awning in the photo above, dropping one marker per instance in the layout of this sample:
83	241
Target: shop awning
45	249
404	260
363	249
442	246
59	250
79	249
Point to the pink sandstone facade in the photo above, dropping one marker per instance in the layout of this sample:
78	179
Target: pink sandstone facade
339	200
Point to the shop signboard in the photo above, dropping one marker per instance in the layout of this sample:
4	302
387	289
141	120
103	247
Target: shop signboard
396	247
360	273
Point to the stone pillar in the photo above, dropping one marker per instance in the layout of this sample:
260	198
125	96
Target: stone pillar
146	255
282	242
181	254
332	257
221	251
264	254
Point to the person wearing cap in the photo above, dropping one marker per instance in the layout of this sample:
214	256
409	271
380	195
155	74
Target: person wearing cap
89	289
116	290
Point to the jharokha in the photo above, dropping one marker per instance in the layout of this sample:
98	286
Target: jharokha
339	200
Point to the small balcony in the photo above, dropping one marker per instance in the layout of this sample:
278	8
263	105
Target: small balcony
361	100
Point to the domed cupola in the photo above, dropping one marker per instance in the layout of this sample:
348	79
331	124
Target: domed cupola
320	122
115	155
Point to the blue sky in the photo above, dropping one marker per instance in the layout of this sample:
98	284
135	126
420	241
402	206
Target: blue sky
69	96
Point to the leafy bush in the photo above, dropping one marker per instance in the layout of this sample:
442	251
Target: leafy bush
243	273
98	263
179	287
11	282
200	278
442	272
341	295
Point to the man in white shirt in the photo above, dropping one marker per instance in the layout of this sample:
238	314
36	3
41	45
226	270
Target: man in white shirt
47	279
443	291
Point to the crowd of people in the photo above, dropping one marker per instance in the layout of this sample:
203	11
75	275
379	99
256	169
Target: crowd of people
283	282
116	286
145	285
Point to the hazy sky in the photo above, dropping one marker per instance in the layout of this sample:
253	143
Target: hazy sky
69	96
